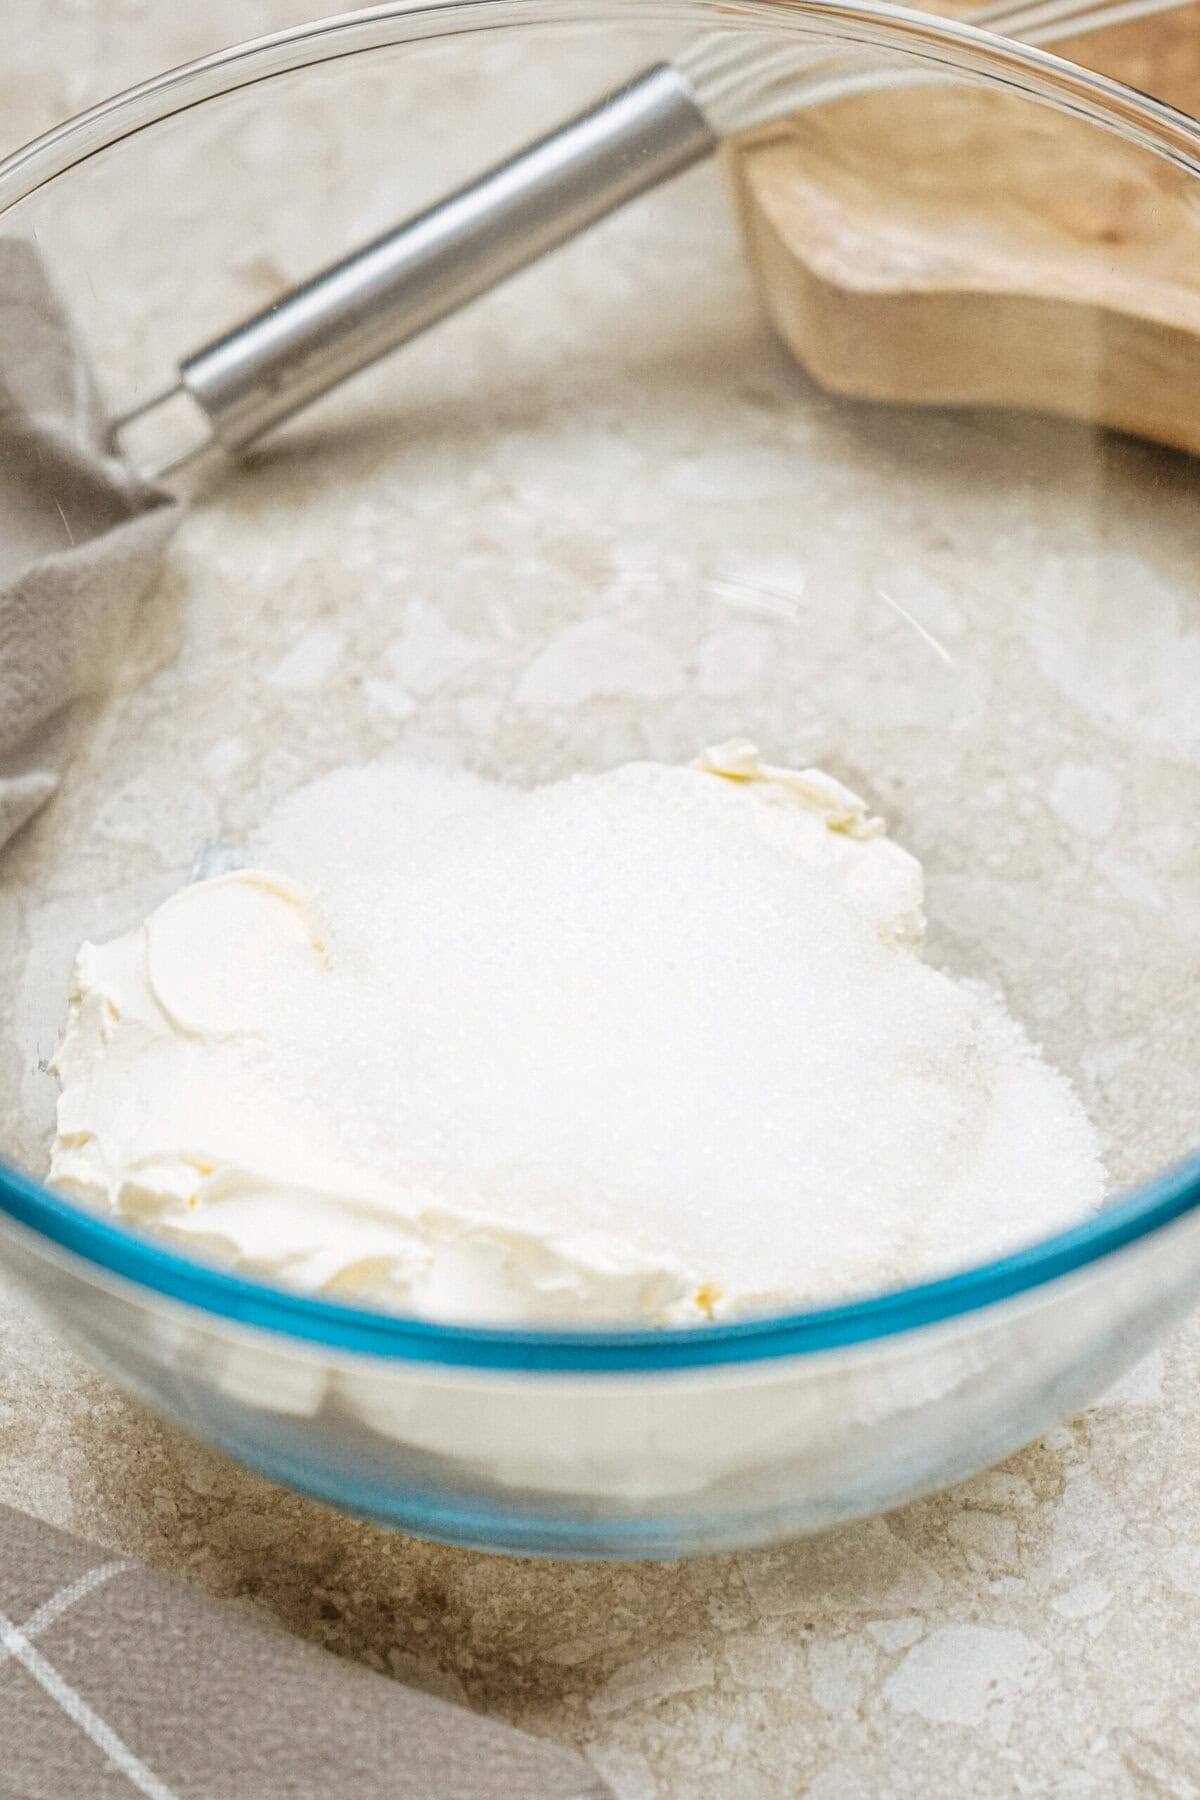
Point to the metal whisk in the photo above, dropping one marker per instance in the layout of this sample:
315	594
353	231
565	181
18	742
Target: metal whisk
674	115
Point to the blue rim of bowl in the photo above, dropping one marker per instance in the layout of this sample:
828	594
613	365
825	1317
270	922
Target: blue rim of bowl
216	1291
127	1256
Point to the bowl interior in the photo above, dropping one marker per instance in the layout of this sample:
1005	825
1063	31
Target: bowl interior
603	515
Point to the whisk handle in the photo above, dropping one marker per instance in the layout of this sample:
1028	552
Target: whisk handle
266	368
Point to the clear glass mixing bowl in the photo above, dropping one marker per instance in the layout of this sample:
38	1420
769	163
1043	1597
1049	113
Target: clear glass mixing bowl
984	618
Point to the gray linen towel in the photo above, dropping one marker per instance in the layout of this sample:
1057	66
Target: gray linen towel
116	1681
81	539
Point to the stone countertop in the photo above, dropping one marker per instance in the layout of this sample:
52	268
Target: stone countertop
1035	1631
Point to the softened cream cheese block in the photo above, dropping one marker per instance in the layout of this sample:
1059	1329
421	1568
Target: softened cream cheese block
653	1045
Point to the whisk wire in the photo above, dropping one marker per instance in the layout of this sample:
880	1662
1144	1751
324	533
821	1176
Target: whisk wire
742	84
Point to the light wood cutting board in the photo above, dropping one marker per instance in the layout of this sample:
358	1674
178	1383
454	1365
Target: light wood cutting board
950	246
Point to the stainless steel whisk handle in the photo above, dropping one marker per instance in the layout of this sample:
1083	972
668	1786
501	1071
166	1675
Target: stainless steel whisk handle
266	368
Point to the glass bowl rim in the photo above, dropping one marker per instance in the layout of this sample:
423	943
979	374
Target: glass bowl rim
117	1251
133	1258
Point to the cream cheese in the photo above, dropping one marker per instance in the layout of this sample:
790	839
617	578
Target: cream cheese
655	1045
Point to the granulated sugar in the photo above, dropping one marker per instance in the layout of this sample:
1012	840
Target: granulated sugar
654	1043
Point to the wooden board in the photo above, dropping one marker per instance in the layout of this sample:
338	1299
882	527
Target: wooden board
950	246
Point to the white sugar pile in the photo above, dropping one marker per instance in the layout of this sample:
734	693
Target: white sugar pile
642	1022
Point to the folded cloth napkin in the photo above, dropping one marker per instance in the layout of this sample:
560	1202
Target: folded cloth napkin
81	538
115	1681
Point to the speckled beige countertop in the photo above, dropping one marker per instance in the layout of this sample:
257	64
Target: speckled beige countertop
1035	1631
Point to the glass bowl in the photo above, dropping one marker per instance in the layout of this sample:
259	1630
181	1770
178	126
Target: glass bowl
603	515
